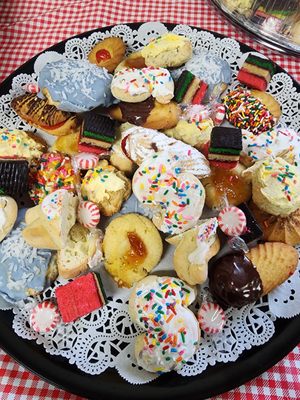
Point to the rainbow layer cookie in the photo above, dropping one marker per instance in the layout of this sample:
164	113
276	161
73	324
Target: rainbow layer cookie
98	133
225	144
80	297
189	89
256	72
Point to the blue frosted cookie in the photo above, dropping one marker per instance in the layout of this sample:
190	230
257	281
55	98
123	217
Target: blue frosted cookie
22	268
75	85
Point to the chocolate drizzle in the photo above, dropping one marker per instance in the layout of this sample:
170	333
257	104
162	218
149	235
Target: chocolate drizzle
137	113
234	281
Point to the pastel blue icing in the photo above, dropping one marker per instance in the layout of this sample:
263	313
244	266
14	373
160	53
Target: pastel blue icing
21	267
77	85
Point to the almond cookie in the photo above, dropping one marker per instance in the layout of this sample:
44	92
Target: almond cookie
108	53
8	215
132	247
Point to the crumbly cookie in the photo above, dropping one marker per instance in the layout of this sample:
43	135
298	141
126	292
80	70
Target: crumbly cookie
132	247
168	50
106	186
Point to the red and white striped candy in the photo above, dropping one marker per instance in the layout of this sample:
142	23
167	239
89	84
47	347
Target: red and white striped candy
211	318
88	214
31	88
219	114
86	160
44	317
232	221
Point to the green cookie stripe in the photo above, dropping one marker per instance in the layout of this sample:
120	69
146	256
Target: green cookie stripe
184	81
261	63
218	150
97	136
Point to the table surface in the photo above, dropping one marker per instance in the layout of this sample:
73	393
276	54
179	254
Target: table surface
28	27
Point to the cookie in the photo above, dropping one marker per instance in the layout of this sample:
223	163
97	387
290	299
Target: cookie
148	114
176	197
226	184
132	247
133	60
278	229
75	85
54	171
108	53
275	263
139	143
98	132
251	110
8	215
225	145
158	305
42	115
256	72
195	248
15	143
189	89
67	144
168	50
80	297
275	186
134	85
107	187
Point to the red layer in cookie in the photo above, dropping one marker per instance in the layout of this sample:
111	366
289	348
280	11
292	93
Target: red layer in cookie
223	164
200	93
85	148
79	297
252	80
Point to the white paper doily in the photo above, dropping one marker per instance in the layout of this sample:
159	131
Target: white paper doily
106	337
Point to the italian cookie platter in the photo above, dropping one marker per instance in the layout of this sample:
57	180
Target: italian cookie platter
150	200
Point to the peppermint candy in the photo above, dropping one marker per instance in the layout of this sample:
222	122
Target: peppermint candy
86	160
232	221
88	214
31	88
219	114
44	317
211	318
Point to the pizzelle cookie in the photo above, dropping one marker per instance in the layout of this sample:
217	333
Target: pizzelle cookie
132	247
158	305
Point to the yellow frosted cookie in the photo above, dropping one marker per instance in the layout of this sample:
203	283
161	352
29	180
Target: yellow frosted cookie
169	50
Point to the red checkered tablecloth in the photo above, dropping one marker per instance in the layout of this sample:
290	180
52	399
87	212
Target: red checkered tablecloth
30	26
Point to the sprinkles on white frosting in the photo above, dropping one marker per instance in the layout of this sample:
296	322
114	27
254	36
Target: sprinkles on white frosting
156	82
52	204
177	197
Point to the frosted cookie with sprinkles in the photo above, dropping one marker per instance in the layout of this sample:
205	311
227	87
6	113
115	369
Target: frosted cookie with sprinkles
134	85
176	197
159	306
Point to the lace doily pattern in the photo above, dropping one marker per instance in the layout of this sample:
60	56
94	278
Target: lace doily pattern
105	338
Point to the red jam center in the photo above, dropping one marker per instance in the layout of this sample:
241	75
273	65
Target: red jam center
102	55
